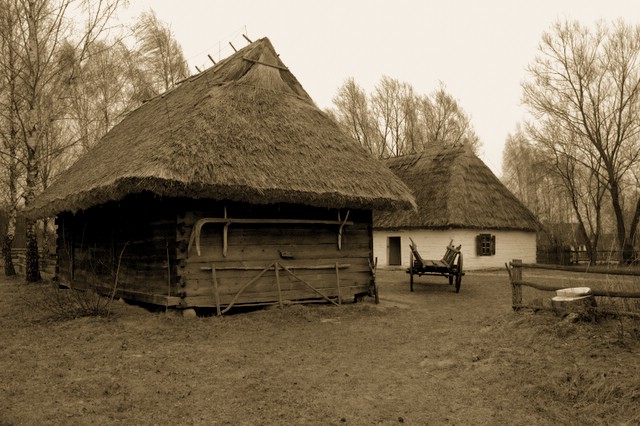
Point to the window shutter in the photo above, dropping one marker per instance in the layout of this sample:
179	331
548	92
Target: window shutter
493	245
479	245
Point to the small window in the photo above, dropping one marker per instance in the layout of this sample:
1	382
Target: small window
486	244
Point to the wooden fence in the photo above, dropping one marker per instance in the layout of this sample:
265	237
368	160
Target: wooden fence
47	262
515	270
566	256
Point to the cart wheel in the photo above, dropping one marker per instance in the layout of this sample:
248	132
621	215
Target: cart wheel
459	275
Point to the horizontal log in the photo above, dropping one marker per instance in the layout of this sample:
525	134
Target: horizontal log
309	251
156	299
598	269
308	237
194	271
268	298
594	291
300	291
258	268
271	253
268	283
259	221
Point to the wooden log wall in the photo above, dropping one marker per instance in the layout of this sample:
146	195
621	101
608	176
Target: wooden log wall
148	241
271	262
134	238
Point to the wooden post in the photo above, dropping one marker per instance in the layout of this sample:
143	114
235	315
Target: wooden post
516	288
277	268
338	283
214	278
225	234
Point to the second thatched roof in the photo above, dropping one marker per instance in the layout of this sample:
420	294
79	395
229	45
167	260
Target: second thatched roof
454	189
243	130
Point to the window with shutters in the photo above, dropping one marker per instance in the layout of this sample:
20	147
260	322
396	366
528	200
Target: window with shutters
486	244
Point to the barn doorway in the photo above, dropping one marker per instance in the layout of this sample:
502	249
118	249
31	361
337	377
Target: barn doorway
395	253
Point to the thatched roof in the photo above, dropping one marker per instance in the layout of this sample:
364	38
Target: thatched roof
243	130
454	189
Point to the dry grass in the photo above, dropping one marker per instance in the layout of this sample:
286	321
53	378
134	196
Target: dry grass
428	357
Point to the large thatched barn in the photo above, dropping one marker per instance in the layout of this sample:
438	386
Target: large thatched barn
233	188
458	199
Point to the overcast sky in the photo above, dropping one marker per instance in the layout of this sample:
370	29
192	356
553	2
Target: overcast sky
478	49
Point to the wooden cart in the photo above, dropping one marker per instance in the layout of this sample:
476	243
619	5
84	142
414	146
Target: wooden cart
449	266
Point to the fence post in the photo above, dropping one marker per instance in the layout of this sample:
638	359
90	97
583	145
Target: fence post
516	288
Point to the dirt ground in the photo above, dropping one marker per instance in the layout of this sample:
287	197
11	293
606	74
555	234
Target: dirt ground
428	357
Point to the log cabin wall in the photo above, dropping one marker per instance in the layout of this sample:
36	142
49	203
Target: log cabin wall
271	254
135	237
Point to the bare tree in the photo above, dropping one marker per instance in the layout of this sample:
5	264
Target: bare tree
354	115
444	122
387	104
581	175
9	155
586	82
104	90
527	170
394	121
42	28
521	169
161	54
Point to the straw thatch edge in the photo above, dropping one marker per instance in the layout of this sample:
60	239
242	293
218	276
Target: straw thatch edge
123	187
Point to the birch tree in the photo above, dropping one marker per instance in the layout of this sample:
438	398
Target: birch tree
9	155
41	28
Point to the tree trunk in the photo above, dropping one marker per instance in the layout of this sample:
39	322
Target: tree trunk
9	269
32	267
623	245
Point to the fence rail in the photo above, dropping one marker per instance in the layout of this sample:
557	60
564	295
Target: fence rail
562	256
46	261
515	271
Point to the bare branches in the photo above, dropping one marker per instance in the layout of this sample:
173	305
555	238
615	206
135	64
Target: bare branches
163	57
584	92
395	121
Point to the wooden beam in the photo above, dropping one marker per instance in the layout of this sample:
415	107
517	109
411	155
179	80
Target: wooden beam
340	229
197	227
216	295
266	64
338	283
277	267
156	299
595	292
260	268
516	288
308	285
244	287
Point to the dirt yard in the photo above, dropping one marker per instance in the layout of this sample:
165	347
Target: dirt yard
428	357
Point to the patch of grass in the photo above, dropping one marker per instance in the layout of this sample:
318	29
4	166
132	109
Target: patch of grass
53	302
428	357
